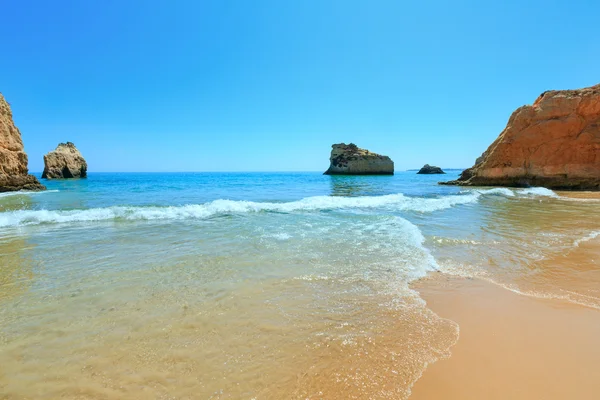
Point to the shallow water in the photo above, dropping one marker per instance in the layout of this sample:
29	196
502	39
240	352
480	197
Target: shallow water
266	286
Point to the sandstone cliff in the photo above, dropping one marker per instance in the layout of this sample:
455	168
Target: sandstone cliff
351	160
64	162
13	160
553	143
430	169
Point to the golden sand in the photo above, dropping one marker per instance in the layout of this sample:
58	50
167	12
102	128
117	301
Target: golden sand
514	346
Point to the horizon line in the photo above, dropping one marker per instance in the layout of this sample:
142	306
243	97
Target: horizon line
227	172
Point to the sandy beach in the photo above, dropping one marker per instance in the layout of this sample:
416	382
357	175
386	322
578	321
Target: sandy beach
489	293
514	346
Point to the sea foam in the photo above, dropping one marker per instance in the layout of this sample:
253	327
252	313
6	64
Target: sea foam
538	191
393	202
593	235
529	192
26	193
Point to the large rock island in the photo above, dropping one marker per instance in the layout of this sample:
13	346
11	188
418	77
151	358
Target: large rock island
13	160
554	143
349	159
64	162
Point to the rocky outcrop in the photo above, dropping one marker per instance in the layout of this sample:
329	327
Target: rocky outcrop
64	162
348	159
430	169
13	160
554	143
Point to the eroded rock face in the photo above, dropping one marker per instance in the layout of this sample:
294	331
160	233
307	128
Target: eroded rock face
554	143
13	160
430	169
348	159
64	162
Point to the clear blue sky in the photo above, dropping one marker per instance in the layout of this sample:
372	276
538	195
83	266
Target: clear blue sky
268	85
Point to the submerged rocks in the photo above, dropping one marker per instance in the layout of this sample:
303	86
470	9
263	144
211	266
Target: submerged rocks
13	159
349	159
554	143
64	162
430	169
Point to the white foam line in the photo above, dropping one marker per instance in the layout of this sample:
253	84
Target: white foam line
572	297
507	192
591	236
538	191
26	193
575	199
393	202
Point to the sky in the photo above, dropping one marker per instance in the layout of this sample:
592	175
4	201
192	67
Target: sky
270	85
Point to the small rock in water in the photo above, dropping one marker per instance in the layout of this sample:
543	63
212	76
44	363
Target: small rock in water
430	169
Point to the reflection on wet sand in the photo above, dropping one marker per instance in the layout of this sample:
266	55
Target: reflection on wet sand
511	346
535	247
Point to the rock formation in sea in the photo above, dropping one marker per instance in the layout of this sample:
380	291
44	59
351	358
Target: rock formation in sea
64	162
554	143
430	169
349	159
13	160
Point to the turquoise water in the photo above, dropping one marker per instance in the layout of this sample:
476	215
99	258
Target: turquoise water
176	189
258	285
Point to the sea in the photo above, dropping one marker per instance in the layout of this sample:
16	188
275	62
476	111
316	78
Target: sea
262	285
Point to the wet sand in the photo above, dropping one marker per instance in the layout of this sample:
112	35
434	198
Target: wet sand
511	346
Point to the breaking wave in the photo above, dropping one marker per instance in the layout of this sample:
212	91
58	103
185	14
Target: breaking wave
523	193
26	193
393	202
495	191
538	191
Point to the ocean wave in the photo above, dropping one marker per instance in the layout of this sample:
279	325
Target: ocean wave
593	235
388	249
26	193
495	191
507	192
393	202
538	191
414	238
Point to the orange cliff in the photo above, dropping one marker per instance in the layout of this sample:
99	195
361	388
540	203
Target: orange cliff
554	143
13	160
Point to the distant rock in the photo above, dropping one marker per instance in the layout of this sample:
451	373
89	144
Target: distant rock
554	143
430	169
13	160
348	159
64	162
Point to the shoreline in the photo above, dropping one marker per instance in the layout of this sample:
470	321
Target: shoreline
510	345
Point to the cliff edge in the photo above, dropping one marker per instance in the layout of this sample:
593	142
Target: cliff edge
554	143
13	159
